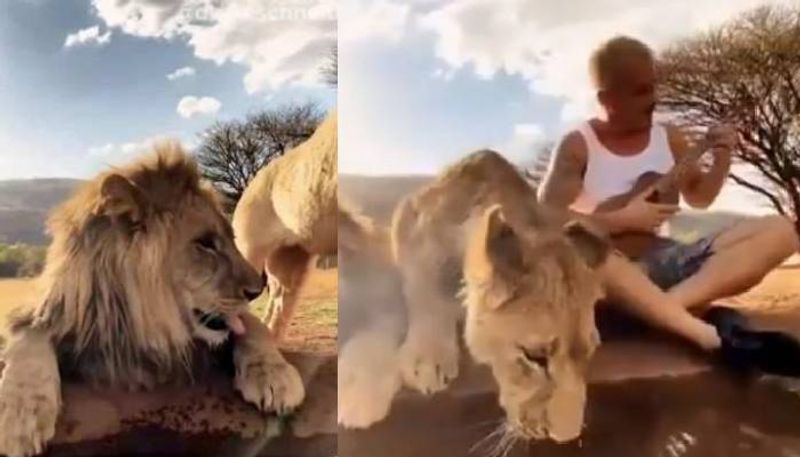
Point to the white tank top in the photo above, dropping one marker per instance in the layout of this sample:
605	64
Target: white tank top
608	174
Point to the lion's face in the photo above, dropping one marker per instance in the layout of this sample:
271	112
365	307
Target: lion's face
530	297
183	228
218	283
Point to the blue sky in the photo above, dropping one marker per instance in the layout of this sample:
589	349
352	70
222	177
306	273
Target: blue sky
422	81
68	111
425	81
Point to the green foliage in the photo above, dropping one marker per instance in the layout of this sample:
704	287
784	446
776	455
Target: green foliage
21	260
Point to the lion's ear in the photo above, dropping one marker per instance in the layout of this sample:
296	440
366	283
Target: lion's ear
121	198
496	258
592	247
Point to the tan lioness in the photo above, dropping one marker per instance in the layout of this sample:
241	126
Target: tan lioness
287	215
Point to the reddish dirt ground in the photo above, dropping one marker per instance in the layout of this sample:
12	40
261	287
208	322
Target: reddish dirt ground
313	327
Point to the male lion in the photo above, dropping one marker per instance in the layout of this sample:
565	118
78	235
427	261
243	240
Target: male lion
530	291
287	215
142	285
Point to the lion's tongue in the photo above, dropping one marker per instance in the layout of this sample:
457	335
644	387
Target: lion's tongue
235	323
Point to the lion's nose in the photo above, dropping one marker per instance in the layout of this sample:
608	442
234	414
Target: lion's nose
251	294
255	288
251	282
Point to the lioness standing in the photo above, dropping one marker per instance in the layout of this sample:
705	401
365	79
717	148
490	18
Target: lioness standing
287	216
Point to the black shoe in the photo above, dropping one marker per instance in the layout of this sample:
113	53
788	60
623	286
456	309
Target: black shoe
744	349
736	353
726	320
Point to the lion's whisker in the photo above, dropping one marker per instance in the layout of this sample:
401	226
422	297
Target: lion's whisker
497	432
506	442
511	439
501	448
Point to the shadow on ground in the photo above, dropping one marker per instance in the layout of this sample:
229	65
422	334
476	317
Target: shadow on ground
649	397
208	419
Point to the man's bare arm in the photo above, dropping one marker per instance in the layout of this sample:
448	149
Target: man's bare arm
698	188
563	182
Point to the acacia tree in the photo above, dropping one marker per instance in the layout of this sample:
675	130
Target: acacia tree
284	127
229	156
231	152
747	73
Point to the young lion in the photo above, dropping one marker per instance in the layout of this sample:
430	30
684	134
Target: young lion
142	282
529	290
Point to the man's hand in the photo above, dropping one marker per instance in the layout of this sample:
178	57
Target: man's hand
699	187
642	216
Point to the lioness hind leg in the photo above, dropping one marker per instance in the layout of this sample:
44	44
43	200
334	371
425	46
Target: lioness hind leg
275	295
289	267
429	355
30	395
263	376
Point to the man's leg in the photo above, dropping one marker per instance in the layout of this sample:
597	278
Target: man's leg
627	285
741	257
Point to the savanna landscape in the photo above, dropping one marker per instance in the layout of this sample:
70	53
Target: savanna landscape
313	328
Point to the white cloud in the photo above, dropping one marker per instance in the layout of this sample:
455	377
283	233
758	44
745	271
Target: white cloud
548	45
445	74
531	131
181	73
369	20
88	36
121	151
191	106
525	143
280	42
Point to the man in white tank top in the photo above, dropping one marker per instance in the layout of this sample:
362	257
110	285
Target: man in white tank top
604	157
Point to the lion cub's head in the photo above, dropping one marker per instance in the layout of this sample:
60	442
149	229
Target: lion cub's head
530	294
141	262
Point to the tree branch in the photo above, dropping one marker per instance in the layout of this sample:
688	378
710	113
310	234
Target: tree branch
774	200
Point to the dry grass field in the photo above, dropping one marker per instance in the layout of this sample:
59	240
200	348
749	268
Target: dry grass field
312	329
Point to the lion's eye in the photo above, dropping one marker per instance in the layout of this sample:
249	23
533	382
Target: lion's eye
536	357
207	241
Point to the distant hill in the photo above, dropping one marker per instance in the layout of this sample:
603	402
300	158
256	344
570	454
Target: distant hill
376	196
24	205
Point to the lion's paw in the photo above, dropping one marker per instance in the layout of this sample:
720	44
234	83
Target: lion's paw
429	364
368	381
273	386
27	420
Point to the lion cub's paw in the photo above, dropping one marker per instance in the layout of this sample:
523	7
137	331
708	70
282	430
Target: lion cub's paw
429	364
28	416
273	386
367	383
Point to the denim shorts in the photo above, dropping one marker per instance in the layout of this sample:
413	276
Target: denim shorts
671	261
